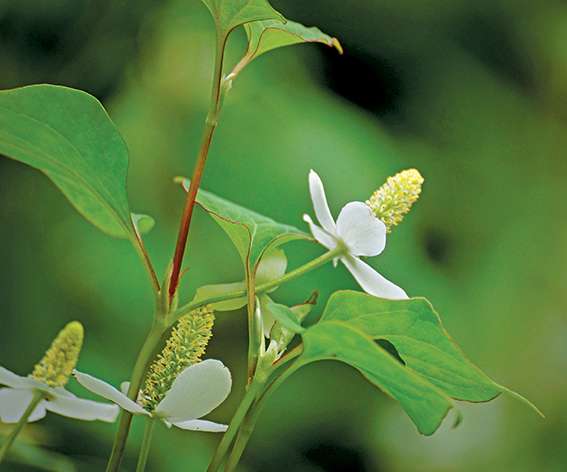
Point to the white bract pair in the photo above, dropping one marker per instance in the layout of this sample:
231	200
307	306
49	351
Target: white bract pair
359	232
197	391
15	399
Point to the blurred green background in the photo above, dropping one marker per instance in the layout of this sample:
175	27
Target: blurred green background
473	94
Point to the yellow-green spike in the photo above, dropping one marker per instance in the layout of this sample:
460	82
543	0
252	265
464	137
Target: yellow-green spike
185	347
391	202
55	368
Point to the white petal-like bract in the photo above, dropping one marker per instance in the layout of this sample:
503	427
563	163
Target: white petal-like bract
322	237
360	230
201	425
9	379
107	391
371	281
81	409
320	204
14	402
197	391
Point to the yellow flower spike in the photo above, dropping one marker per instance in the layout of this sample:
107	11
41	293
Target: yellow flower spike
391	202
185	347
56	366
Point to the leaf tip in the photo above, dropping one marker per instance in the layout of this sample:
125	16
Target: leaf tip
335	43
183	181
523	399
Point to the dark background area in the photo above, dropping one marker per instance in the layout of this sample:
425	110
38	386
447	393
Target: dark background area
471	93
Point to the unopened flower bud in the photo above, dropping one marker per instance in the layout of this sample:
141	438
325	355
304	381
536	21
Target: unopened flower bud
57	365
391	202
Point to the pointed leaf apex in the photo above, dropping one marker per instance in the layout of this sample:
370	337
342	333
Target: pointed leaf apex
523	399
337	45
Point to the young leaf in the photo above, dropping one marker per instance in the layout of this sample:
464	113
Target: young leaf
252	234
285	316
229	14
265	36
434	370
289	324
207	292
67	134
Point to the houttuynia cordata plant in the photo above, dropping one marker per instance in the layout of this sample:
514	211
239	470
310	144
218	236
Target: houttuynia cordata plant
396	342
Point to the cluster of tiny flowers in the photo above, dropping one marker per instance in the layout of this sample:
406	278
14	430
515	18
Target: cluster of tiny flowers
391	202
185	347
61	358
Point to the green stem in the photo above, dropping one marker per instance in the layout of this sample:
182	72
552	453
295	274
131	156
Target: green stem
146	445
36	399
253	399
242	439
255	331
249	423
145	356
266	287
161	323
234	426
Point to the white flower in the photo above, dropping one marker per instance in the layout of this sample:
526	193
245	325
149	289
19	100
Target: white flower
15	399
360	232
197	391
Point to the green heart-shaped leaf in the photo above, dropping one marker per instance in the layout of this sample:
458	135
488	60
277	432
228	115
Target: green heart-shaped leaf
67	134
433	370
425	404
229	14
415	330
251	233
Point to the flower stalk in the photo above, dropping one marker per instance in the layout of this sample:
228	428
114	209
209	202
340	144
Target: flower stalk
125	421
239	416
36	400
267	379
265	287
146	445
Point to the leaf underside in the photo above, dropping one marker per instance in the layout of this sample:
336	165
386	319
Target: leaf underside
265	36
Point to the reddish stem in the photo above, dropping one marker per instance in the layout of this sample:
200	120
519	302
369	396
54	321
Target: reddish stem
212	121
